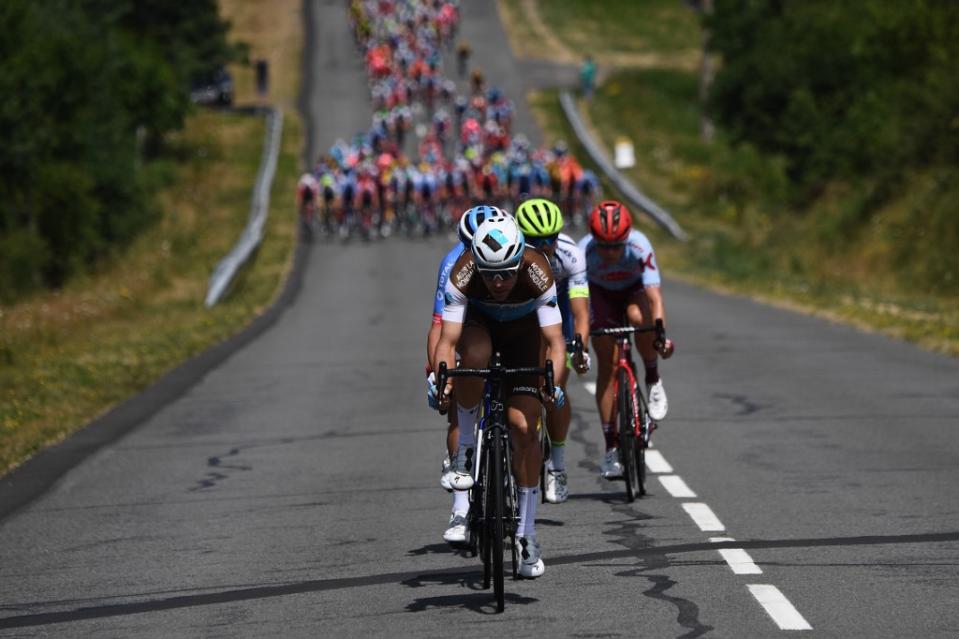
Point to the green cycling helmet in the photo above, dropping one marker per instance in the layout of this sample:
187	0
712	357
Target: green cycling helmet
538	217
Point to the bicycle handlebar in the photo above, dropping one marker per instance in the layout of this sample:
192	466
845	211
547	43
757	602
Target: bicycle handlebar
629	330
576	346
496	372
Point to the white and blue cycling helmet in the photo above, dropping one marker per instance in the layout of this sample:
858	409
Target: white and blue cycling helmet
475	216
498	244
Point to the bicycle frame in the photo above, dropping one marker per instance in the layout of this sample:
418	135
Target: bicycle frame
624	361
494	488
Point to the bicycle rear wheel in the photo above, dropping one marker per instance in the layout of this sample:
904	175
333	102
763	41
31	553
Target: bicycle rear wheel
627	437
496	489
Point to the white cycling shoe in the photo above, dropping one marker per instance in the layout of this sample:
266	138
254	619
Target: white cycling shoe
461	477
456	531
556	489
611	468
531	563
658	406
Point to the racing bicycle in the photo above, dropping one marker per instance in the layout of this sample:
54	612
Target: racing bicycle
634	426
494	512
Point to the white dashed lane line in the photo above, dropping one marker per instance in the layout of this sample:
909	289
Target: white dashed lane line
704	517
676	487
737	558
782	612
656	463
778	607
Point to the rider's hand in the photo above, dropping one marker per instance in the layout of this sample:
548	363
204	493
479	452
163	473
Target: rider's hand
558	399
432	394
443	402
582	365
664	347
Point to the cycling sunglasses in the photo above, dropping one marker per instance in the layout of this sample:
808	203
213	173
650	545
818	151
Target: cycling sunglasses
499	275
542	242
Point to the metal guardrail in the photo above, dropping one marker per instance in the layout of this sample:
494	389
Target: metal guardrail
633	194
226	269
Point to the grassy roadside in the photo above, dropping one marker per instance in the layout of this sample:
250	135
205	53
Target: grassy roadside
68	356
745	238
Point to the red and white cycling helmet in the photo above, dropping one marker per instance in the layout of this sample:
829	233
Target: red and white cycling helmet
610	221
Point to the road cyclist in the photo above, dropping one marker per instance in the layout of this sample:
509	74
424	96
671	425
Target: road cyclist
624	288
456	531
541	222
501	298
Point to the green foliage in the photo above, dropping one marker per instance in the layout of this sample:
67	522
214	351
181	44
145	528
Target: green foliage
85	84
841	89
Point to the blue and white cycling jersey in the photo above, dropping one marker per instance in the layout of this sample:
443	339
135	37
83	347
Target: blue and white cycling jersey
569	266
569	272
442	277
638	263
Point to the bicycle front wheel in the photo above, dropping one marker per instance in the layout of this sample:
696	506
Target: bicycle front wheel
627	434
496	489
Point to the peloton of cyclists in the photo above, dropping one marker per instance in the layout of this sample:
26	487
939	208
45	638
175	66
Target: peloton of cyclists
541	222
624	282
501	297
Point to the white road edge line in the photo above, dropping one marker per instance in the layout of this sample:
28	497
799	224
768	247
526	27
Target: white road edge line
676	487
737	558
656	463
590	387
778	607
704	517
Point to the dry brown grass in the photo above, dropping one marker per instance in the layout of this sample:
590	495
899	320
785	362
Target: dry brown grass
274	31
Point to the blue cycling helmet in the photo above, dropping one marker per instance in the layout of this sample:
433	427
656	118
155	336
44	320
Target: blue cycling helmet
475	216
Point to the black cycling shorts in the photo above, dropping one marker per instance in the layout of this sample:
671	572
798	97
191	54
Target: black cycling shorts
518	343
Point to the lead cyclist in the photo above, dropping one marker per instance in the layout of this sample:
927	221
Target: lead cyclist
456	529
541	222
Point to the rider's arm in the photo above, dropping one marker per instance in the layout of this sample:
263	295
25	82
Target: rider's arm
553	334
446	349
432	339
655	296
580	308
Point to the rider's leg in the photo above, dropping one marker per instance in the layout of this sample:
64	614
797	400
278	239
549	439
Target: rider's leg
523	413
639	313
557	423
475	348
605	347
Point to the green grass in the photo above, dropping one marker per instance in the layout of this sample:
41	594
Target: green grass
886	264
69	356
744	238
623	26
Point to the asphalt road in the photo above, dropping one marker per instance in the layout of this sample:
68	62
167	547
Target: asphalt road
293	490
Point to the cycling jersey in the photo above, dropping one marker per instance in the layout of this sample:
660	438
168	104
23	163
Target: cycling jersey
308	187
569	266
446	266
637	264
535	292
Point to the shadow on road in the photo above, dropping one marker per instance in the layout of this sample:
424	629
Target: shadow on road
481	602
470	578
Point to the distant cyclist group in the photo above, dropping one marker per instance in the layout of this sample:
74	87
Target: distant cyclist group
430	152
